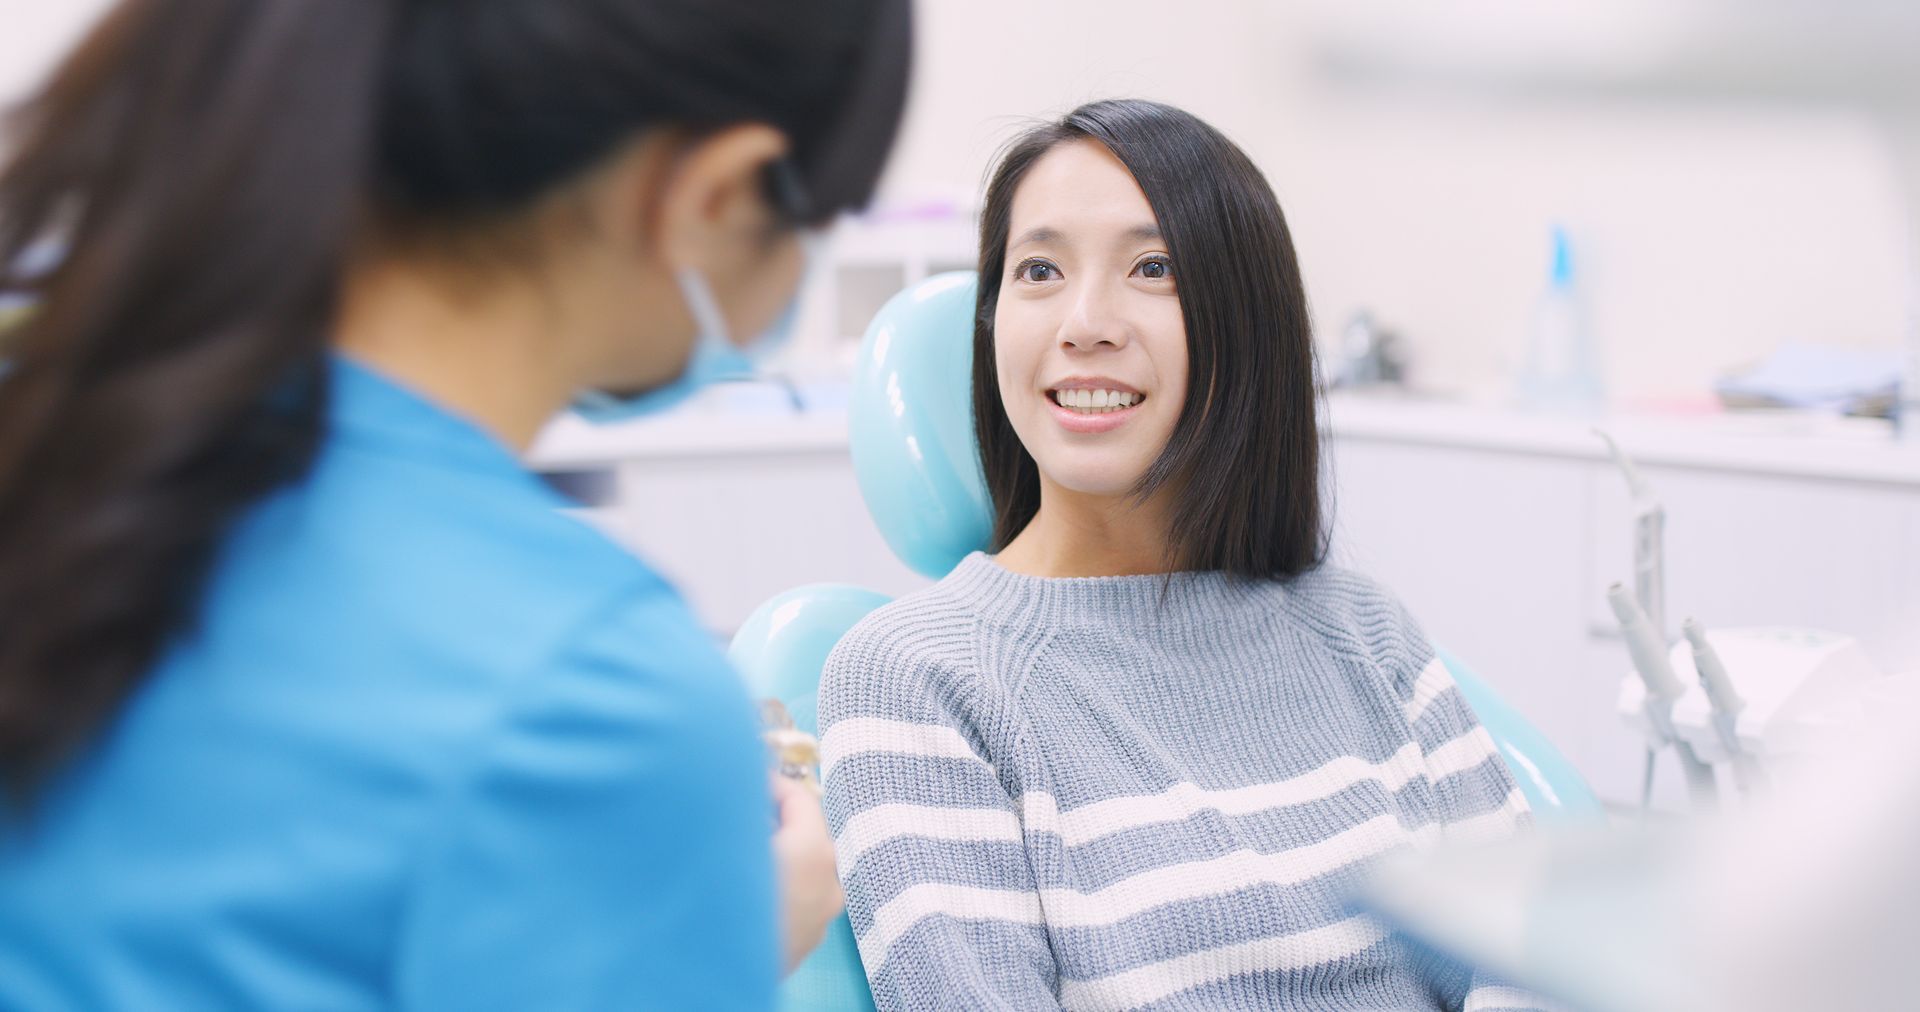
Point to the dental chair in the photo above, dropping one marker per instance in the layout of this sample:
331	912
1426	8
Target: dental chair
910	423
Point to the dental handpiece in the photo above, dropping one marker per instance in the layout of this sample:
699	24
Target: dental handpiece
1713	676
1649	539
1725	701
1644	646
1663	689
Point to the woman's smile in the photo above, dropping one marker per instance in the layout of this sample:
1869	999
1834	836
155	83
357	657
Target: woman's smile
1093	404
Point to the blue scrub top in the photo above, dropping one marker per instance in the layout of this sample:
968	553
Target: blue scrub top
431	744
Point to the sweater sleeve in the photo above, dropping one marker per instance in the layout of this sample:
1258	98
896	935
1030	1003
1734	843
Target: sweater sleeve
1476	799
921	797
1474	796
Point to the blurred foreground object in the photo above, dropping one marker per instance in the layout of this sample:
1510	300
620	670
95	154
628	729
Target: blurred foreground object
795	753
1810	899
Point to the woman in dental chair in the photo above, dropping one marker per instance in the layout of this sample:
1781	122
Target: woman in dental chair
1137	755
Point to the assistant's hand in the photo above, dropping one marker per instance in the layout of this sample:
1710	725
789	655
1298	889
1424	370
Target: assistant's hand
810	896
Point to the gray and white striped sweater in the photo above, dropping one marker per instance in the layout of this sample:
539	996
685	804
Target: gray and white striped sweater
1120	792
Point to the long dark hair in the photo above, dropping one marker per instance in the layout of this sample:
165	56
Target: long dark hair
200	170
1244	457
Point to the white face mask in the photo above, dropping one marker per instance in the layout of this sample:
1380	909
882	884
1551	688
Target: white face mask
715	357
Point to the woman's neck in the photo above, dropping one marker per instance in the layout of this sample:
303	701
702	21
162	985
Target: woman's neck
490	356
1073	534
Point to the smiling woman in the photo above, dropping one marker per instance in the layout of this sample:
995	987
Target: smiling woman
1086	344
1139	756
1132	248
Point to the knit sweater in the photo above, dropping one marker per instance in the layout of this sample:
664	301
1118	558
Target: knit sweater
1124	792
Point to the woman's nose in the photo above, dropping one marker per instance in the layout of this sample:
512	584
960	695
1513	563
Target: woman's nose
1095	319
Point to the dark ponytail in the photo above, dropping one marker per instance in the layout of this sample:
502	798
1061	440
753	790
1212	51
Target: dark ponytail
198	165
201	168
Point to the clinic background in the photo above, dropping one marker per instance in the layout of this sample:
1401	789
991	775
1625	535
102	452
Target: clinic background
1718	208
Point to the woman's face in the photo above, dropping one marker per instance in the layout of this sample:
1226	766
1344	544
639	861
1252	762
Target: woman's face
1089	344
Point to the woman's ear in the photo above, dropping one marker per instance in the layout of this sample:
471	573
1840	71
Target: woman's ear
713	193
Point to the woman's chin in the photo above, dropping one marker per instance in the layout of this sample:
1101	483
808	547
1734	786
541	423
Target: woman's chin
1096	481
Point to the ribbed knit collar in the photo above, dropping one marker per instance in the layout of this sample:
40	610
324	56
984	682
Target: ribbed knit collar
1156	599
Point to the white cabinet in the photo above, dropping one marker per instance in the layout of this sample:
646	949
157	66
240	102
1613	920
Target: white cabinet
1502	540
733	534
1486	551
732	509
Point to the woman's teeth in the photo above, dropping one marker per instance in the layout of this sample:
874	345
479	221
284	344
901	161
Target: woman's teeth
1095	402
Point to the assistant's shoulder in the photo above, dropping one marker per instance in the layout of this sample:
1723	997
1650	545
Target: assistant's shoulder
430	515
481	571
626	769
519	523
642	644
630	686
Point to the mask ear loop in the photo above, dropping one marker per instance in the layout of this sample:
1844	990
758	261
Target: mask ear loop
788	194
702	306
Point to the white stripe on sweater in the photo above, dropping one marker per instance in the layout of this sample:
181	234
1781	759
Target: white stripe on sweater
1433	682
1228	873
864	735
885	823
914	904
1241	869
1463	753
1142	985
1184	800
1078	826
1136	894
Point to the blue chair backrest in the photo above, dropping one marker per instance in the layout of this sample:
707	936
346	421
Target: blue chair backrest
911	429
910	425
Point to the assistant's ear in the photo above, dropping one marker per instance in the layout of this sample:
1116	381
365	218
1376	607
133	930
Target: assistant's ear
714	192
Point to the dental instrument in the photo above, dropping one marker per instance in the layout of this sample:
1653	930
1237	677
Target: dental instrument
1649	539
1663	690
1723	700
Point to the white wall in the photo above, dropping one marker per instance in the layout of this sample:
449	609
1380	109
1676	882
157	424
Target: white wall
1710	233
33	34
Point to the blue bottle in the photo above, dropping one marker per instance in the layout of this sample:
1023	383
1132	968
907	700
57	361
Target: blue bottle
1562	368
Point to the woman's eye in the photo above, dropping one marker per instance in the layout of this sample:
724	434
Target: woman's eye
1155	269
1036	271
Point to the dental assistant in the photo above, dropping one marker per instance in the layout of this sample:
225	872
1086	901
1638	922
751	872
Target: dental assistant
310	697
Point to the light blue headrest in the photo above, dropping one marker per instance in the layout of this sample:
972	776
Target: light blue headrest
911	418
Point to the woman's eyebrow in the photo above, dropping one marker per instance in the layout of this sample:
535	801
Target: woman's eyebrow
1043	234
1048	234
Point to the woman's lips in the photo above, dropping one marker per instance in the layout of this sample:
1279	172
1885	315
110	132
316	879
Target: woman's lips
1092	422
